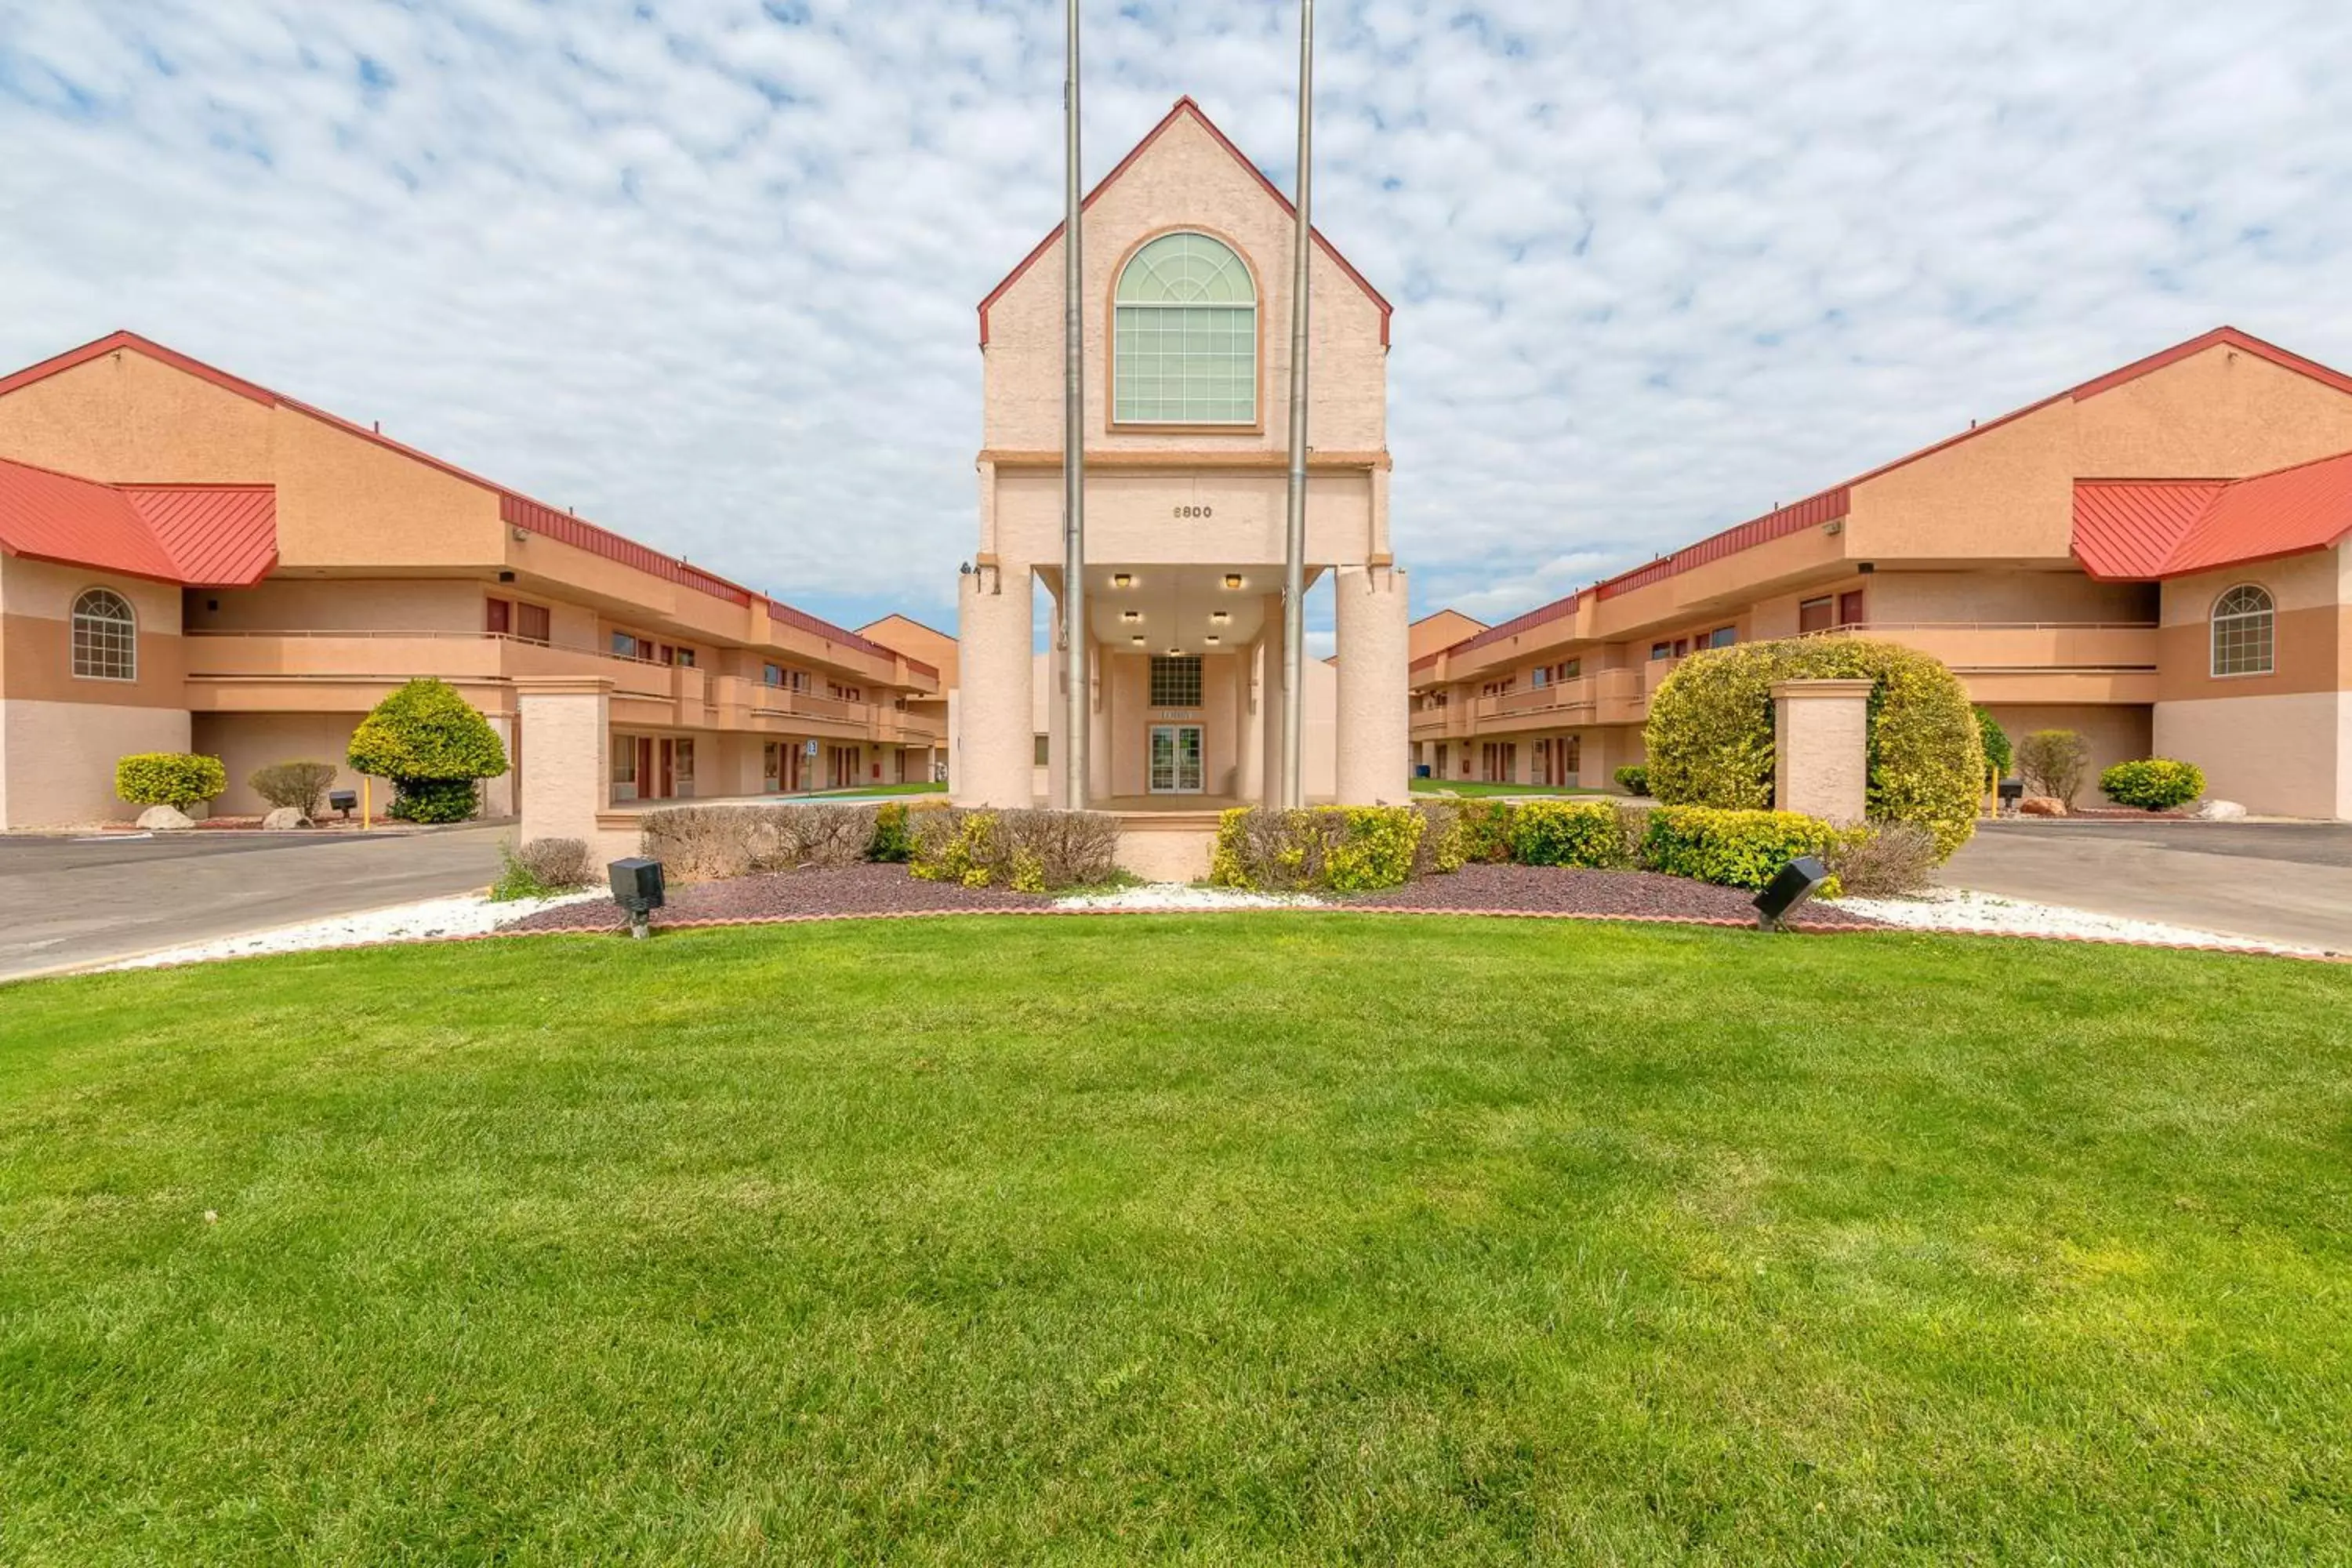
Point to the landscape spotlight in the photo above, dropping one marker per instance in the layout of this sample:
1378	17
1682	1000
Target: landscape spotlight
637	888
1791	886
344	800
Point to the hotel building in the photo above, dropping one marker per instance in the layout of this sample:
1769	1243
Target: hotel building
190	562
2156	559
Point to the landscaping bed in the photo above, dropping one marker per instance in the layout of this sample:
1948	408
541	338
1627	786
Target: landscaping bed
1558	890
864	888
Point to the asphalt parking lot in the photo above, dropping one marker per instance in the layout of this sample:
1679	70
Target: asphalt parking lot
70	902
2277	881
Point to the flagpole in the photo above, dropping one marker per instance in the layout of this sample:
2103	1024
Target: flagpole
1294	565
1073	480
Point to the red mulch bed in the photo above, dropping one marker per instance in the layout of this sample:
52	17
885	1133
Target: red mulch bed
812	891
1558	890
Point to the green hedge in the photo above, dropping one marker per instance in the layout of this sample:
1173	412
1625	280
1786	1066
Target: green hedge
1732	848
1334	848
1633	779
1584	833
2153	784
169	778
1710	730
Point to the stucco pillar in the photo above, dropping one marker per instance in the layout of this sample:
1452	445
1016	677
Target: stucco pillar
1375	716
995	667
1821	742
566	725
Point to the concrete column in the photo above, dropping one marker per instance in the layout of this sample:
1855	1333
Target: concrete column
1821	742
1375	716
497	795
994	632
567	736
1269	708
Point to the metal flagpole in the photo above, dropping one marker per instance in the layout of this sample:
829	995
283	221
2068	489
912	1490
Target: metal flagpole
1294	565
1074	476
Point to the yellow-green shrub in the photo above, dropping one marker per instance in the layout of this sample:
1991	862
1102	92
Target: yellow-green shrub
1028	851
1710	730
1569	833
169	778
1335	848
1486	830
1732	848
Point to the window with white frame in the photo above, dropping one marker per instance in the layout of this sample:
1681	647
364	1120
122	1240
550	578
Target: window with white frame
1184	337
2245	622
105	637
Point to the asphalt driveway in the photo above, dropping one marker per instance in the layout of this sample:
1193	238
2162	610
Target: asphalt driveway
65	903
2277	881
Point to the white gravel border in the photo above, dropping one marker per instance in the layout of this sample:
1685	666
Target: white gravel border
1184	896
470	914
1990	914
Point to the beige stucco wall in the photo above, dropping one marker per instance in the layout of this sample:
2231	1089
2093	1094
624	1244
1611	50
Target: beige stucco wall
373	604
2116	732
1370	713
2289	755
245	742
57	759
127	418
566	730
993	700
1130	517
1820	739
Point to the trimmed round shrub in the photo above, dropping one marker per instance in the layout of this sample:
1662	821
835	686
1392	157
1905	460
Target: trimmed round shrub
175	779
1729	846
433	746
1634	780
1998	755
1710	730
1581	833
2153	784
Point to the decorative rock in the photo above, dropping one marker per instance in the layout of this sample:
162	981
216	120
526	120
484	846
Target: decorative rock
285	819
164	819
2041	806
2221	811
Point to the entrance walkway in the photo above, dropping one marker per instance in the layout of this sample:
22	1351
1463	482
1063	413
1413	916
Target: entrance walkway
2278	882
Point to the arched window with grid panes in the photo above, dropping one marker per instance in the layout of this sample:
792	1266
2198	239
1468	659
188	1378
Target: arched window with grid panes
1184	341
105	637
2245	625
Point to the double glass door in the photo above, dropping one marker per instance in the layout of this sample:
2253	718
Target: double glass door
1176	758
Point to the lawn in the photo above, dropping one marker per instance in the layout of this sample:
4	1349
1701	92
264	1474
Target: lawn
871	792
1264	1238
1467	787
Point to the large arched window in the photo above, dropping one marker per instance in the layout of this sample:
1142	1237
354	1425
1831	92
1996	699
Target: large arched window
1185	347
2244	622
105	638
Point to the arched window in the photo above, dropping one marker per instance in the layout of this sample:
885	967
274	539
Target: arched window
105	638
1184	348
2244	620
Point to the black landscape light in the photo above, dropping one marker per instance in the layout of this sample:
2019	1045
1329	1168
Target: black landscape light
344	800
1789	886
637	888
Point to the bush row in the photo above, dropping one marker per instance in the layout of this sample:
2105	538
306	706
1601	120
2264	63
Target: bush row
1335	848
1029	851
700	843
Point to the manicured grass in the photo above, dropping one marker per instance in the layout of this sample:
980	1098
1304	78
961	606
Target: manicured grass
1277	1237
1466	787
875	791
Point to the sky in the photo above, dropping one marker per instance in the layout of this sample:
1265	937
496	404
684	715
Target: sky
706	272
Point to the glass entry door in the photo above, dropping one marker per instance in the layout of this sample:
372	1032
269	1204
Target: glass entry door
1176	765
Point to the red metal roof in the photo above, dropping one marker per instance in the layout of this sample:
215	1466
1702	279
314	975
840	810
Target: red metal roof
515	509
1833	502
198	535
2170	527
1183	107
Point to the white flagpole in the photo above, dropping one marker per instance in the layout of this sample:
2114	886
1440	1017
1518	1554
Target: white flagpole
1294	565
1074	479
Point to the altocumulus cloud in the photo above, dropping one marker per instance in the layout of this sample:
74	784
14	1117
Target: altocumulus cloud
706	271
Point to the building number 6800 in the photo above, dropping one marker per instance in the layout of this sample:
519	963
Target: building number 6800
1195	511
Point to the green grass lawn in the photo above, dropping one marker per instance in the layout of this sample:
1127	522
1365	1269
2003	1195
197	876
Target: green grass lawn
877	791
1263	1237
1466	787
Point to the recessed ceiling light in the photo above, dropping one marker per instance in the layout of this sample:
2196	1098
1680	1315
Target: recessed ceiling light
1233	579
1122	579
1175	653
1219	617
1130	614
1137	641
1211	640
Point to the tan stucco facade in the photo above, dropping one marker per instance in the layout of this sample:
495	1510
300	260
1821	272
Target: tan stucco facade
1969	550
391	564
1185	526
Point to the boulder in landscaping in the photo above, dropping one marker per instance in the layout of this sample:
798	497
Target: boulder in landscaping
2041	806
285	819
2221	811
164	819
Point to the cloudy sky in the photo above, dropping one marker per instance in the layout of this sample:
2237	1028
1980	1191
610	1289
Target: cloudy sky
706	271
